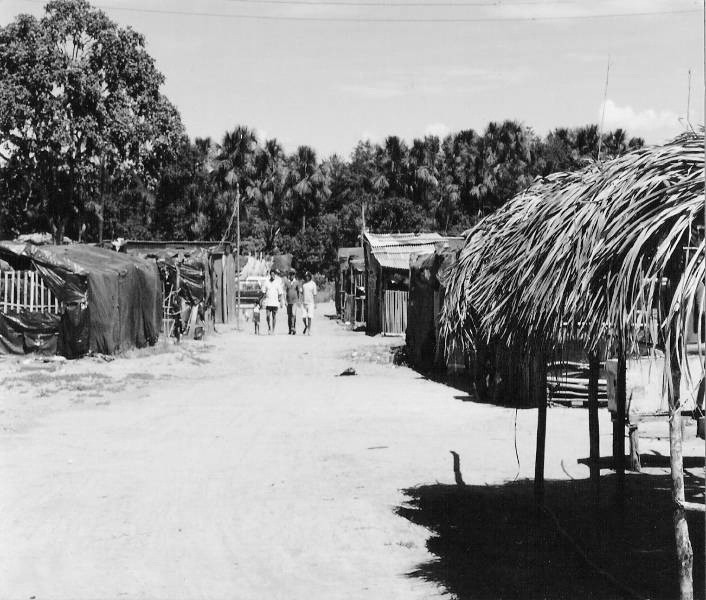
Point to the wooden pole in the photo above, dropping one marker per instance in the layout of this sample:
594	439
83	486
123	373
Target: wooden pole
593	426
704	59
685	555
362	226
540	386
102	201
237	257
619	426
635	464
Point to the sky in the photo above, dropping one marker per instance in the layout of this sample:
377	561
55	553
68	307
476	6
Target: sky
328	73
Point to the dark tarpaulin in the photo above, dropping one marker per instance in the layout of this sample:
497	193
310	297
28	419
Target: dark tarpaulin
121	295
194	272
66	278
195	277
75	331
124	299
22	332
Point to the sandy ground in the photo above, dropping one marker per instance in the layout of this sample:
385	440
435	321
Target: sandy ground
243	467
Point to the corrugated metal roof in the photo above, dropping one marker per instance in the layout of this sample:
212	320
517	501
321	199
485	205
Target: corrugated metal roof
393	260
393	250
384	240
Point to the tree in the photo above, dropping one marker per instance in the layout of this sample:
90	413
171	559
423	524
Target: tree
267	191
505	166
308	184
79	101
424	167
233	168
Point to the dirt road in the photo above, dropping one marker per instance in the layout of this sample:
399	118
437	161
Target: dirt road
242	467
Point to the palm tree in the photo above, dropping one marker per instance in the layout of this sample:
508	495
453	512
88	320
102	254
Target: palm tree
308	183
268	187
506	156
423	158
233	164
615	143
234	158
393	163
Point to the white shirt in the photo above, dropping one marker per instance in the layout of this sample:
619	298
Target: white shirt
309	289
273	292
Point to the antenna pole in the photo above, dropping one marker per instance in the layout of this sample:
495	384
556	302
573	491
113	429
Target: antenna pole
605	100
688	104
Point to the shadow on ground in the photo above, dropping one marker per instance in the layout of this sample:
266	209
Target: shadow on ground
492	542
459	381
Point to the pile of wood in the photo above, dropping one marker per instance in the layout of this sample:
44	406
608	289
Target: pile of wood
567	384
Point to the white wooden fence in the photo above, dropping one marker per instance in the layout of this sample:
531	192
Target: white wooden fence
25	290
393	312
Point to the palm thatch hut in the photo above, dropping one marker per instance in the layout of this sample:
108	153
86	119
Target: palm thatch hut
613	256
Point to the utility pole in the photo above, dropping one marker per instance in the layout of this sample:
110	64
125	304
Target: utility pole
237	257
703	295
102	209
362	210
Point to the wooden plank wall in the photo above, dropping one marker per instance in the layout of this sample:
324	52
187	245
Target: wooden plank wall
393	310
218	288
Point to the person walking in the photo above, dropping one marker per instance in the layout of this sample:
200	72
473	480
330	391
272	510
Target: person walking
256	315
309	292
292	293
272	290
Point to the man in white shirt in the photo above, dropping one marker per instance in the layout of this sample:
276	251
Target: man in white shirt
309	301
272	292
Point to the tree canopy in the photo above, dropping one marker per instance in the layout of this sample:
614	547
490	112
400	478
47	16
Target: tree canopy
80	105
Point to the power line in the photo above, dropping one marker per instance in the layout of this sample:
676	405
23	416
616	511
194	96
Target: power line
390	19
378	4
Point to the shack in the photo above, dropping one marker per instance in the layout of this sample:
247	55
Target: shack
387	277
427	286
76	298
350	286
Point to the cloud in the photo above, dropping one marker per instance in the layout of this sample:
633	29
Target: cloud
440	130
648	122
262	135
369	136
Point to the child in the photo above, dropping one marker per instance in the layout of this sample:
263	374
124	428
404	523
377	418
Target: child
256	316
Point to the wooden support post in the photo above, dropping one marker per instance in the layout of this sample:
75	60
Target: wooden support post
540	393
593	426
619	427
685	555
634	448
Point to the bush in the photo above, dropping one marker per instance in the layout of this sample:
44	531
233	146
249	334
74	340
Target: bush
326	289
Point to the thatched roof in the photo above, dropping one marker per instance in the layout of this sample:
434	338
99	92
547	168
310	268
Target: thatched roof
584	253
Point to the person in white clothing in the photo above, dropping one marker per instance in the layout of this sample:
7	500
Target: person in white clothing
273	297
309	301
